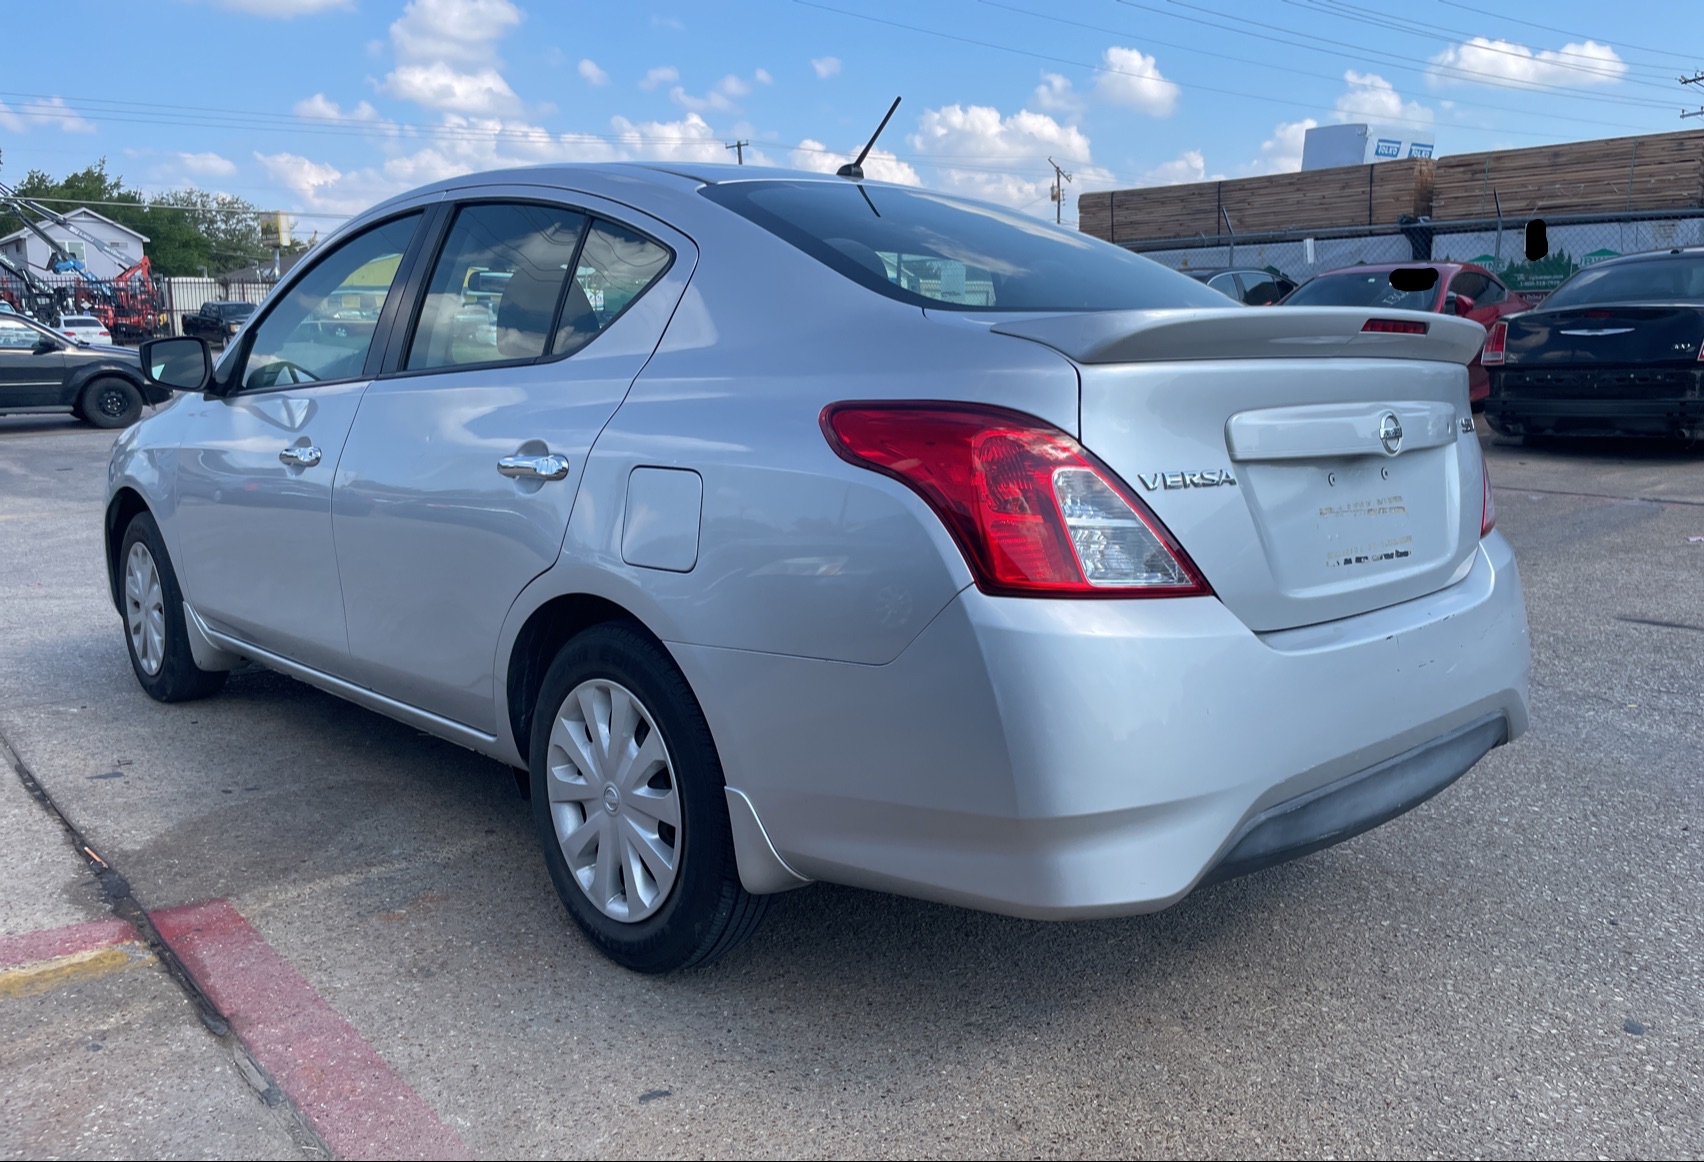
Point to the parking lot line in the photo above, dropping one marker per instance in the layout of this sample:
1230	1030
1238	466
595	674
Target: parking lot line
352	1097
51	943
42	976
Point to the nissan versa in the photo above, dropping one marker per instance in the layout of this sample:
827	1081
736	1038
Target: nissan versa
790	527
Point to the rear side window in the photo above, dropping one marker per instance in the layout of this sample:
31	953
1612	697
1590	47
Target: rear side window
936	251
495	289
1677	279
615	267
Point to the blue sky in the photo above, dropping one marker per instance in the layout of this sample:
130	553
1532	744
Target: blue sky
322	107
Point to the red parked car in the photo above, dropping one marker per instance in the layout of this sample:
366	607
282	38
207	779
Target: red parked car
1462	289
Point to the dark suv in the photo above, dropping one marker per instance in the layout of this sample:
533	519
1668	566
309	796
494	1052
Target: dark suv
41	371
217	322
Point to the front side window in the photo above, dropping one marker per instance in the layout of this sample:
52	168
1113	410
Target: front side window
1470	283
495	289
322	329
935	251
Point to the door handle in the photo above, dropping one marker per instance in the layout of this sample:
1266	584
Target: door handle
548	467
300	457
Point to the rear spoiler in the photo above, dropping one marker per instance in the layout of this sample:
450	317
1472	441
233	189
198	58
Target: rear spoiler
1247	333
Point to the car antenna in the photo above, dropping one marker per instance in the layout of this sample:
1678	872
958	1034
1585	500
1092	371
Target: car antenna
855	169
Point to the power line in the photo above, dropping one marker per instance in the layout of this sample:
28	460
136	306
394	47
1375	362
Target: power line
1479	10
1262	98
1289	70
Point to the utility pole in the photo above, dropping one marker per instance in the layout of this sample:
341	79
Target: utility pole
1694	79
1059	177
739	151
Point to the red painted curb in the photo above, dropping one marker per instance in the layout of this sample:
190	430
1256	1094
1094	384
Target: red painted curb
51	942
350	1095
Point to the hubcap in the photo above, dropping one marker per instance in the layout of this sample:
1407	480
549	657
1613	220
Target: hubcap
144	609
112	402
606	751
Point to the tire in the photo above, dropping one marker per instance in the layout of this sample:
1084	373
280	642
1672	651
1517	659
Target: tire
644	924
110	402
155	633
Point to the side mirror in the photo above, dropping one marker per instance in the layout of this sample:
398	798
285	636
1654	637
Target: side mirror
180	364
44	346
1455	304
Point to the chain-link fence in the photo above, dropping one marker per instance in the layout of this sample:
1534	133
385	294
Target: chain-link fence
1498	244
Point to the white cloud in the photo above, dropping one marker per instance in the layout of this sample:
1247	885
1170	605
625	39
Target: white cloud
881	165
720	97
762	77
1002	159
826	66
52	111
321	107
1282	152
661	75
1188	166
297	174
1506	64
1134	80
446	52
1055	95
207	165
286	9
1375	100
452	30
589	69
440	86
672	23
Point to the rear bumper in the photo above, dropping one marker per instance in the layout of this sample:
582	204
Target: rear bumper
1521	416
1055	759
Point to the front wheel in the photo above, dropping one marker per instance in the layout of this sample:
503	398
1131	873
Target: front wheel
155	630
110	403
630	806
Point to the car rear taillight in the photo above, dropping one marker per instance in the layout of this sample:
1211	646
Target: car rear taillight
1494	342
1032	511
1394	327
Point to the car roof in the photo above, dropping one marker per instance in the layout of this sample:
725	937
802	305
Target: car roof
1213	271
1387	267
1650	256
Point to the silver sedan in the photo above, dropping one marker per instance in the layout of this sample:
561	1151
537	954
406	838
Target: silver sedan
784	527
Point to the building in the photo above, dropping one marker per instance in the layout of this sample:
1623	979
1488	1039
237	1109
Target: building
26	248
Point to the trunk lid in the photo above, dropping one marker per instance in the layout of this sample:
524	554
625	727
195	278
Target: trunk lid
1311	469
1606	336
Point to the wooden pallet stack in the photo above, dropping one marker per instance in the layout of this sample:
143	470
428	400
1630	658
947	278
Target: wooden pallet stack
1357	195
1659	171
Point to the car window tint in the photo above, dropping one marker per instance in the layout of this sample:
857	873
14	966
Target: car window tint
322	328
1260	289
1470	283
1492	292
932	250
1225	284
494	291
615	267
1677	279
1368	289
15	335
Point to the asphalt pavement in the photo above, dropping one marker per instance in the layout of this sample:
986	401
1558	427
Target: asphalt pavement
1513	970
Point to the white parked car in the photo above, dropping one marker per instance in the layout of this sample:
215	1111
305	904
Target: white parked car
85	329
799	528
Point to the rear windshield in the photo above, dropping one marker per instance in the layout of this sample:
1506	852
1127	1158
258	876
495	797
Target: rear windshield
79	321
1667	280
238	310
935	251
1360	289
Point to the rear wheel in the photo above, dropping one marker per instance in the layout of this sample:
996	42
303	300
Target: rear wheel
155	631
629	803
110	403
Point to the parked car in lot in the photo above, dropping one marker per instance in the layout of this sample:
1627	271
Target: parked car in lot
43	371
1616	350
86	329
217	322
1248	285
1462	288
796	528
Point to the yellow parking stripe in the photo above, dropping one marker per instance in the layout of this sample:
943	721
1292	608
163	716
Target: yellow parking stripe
28	980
